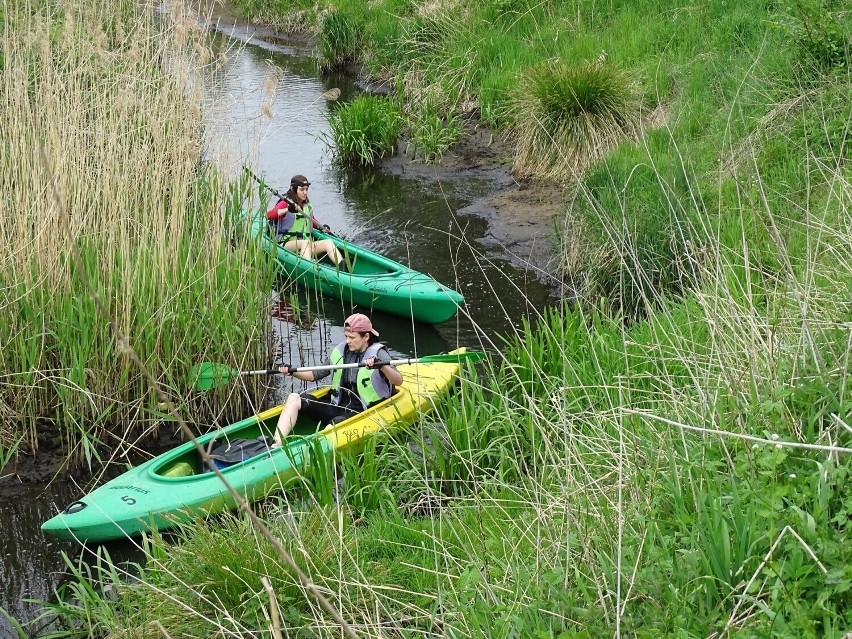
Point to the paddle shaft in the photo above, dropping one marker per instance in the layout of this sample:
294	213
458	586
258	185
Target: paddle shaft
263	184
207	375
330	367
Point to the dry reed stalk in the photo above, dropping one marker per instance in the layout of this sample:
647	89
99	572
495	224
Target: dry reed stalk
111	89
105	123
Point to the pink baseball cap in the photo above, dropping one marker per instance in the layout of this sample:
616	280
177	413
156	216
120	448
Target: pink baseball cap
360	324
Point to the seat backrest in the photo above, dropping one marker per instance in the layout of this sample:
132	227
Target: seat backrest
236	450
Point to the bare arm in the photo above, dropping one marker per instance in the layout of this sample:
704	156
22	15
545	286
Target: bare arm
305	376
391	374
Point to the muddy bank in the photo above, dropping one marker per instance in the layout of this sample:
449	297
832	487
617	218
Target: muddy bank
522	216
51	463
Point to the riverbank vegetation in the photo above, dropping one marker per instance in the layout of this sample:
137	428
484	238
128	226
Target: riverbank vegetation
684	477
100	180
668	457
677	108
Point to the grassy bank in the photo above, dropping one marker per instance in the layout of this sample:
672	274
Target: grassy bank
682	109
685	477
100	175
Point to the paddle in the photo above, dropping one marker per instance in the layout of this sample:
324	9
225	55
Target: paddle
262	183
209	375
325	227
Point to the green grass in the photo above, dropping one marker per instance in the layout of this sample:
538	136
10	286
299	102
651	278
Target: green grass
569	116
430	133
365	130
287	17
147	227
7	452
526	511
701	95
644	480
339	41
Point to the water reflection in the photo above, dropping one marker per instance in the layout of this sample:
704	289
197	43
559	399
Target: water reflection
31	563
417	221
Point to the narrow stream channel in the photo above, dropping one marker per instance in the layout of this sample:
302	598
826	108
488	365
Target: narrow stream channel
418	221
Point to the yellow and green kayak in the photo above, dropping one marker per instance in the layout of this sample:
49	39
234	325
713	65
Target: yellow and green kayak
175	487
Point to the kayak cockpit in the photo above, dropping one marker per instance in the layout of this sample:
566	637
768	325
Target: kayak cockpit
360	263
228	448
248	441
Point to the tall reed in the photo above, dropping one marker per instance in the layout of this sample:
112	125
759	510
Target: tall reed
106	92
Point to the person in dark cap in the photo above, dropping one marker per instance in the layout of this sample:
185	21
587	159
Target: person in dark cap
293	222
352	389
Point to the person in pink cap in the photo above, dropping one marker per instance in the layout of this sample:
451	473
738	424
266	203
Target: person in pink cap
352	389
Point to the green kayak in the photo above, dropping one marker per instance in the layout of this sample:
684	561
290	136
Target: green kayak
176	487
374	281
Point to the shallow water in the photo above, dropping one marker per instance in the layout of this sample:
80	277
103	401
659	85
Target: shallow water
412	219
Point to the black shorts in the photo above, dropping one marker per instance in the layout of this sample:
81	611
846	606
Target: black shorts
323	410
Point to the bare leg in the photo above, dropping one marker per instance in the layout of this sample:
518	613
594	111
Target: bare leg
327	246
309	249
296	246
288	417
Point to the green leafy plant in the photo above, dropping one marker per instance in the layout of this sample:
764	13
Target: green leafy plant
364	130
567	116
822	30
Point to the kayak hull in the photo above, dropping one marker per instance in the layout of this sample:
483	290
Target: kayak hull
374	282
174	488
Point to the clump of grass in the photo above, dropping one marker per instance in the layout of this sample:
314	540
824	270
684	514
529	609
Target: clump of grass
431	133
123	142
294	16
365	130
340	40
366	491
86	599
568	116
438	56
